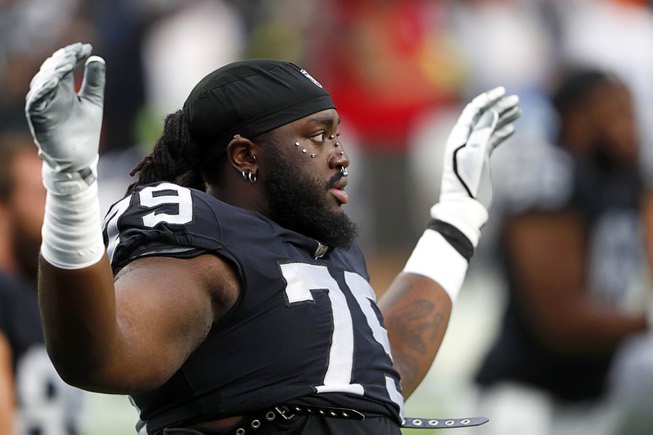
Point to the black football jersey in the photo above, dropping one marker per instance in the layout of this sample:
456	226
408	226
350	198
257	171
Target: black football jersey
46	404
609	203
306	328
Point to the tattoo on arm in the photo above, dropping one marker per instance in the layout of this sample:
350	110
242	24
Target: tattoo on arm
417	328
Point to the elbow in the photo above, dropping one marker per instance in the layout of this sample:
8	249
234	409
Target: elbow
104	377
74	370
81	372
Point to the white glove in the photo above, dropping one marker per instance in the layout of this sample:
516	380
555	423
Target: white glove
466	188
65	125
66	129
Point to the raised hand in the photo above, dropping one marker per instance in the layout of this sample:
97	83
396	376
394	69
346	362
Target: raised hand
66	125
466	189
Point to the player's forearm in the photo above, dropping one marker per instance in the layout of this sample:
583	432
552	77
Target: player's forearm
418	305
79	319
416	312
580	326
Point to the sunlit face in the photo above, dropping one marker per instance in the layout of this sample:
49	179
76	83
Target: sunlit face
303	174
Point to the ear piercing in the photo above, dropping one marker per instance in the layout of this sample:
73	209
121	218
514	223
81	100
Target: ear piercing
249	175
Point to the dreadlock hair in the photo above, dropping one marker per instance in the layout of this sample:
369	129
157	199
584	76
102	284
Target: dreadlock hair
175	157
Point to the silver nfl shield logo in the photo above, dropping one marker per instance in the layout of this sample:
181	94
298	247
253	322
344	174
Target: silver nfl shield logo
310	77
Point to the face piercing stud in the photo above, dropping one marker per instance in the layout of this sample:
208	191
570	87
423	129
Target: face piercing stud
343	171
312	156
304	150
342	153
296	144
337	144
332	136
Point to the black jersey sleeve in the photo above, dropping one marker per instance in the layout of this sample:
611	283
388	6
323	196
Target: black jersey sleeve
162	219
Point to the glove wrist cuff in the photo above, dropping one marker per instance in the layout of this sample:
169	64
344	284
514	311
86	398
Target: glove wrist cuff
69	182
465	214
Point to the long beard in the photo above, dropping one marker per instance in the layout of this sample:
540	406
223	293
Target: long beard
297	202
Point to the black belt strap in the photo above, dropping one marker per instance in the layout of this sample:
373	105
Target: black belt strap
409	422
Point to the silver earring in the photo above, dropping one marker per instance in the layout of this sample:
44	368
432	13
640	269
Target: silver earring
343	171
249	175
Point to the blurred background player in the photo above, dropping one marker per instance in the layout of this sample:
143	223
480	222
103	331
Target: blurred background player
33	398
574	250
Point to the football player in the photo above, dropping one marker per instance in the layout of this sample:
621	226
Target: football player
33	397
227	293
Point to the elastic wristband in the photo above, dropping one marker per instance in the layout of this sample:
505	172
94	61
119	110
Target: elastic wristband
466	214
72	229
435	258
454	236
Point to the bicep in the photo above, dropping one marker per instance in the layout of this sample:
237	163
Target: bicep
547	255
546	252
165	307
549	258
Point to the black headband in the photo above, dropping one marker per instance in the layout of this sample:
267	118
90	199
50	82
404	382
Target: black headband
249	98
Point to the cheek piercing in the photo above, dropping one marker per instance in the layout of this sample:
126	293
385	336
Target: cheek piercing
304	150
296	144
312	156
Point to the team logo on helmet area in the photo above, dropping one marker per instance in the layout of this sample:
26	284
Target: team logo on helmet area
310	77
